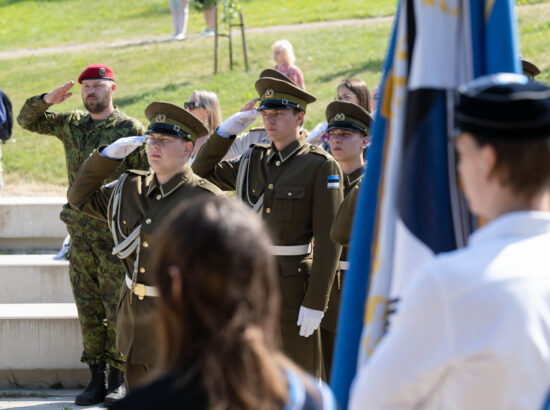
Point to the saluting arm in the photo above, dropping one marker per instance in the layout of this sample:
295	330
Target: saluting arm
327	197
34	116
87	193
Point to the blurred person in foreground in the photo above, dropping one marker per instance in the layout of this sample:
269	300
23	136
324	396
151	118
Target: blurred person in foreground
218	313
472	330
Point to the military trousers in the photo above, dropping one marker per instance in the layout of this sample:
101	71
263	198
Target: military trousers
96	279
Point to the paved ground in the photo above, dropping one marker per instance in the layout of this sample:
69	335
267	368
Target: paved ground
57	399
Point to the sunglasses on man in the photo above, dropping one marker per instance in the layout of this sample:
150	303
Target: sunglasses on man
191	105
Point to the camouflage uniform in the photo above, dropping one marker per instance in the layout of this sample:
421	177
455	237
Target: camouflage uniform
96	275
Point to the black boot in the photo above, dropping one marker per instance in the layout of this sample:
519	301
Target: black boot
95	392
116	389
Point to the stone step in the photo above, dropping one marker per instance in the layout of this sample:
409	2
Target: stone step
34	278
31	223
40	343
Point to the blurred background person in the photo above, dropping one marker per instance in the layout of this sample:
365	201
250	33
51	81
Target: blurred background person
350	90
283	55
209	9
204	105
180	16
218	316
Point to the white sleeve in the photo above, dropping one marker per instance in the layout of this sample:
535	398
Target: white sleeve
411	358
243	141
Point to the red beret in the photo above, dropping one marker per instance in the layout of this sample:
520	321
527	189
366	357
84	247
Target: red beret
97	72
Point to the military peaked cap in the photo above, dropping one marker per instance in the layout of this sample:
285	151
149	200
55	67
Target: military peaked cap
343	115
172	120
504	106
278	92
529	69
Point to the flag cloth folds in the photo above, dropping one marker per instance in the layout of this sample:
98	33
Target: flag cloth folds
409	207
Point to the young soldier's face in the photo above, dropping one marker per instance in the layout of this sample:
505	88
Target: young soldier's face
346	145
166	154
281	124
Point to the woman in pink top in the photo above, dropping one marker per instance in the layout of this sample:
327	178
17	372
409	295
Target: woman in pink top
283	54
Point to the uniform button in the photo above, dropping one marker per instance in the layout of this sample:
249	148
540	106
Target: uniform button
148	221
201	182
313	147
253	191
270	186
290	194
141	270
159	197
277	163
124	222
145	244
299	269
268	210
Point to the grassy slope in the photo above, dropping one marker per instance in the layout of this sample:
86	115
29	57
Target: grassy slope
171	71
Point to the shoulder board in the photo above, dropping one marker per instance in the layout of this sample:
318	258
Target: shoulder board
257	129
209	186
138	172
264	146
318	150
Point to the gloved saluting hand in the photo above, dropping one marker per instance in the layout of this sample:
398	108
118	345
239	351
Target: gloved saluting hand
123	147
309	320
237	123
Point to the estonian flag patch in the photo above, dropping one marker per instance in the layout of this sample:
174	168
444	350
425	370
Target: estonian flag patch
333	181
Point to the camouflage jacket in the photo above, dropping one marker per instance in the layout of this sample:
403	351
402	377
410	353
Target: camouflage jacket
80	135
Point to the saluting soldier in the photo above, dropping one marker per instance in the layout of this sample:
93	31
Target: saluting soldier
297	188
134	206
348	128
96	275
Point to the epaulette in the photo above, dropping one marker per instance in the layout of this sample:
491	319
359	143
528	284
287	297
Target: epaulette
318	150
209	186
139	172
264	146
257	129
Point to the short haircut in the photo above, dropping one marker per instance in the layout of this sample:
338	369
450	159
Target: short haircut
287	49
523	165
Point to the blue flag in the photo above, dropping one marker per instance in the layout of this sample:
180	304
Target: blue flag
409	207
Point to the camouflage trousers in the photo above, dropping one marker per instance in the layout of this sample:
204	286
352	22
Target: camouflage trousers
96	278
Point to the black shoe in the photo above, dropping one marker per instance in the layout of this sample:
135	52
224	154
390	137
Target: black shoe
116	389
96	390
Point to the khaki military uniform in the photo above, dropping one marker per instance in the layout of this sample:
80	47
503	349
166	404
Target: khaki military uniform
340	234
142	202
300	201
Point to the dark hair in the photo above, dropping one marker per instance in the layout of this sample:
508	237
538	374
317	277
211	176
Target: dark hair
221	323
360	89
522	164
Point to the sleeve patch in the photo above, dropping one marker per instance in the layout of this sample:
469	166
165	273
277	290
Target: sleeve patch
333	181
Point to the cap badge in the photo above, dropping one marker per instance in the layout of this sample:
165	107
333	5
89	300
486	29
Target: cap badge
160	117
269	93
102	71
340	117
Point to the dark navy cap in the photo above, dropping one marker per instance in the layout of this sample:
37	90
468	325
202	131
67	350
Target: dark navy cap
504	105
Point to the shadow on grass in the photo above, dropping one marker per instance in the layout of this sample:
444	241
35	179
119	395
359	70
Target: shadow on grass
374	65
133	99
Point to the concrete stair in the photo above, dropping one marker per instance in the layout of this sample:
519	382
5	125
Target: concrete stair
40	340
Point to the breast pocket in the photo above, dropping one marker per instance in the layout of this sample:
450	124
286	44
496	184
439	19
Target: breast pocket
288	201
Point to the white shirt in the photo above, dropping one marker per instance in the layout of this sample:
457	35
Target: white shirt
472	331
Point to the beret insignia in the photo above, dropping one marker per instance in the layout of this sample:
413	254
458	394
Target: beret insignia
160	117
269	93
102	71
340	117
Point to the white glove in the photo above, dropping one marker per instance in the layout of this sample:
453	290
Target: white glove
309	320
122	147
317	132
237	123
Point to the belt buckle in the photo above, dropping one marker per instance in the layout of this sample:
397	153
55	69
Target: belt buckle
139	290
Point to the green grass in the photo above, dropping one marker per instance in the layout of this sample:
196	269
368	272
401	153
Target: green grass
44	23
170	71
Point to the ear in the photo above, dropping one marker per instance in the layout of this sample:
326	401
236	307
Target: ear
113	87
489	160
301	115
175	277
188	149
